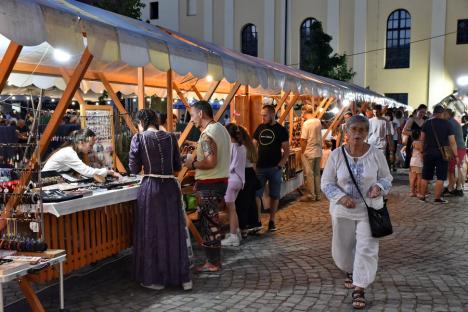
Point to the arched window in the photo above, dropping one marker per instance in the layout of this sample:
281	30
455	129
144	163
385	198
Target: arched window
306	35
398	39
249	40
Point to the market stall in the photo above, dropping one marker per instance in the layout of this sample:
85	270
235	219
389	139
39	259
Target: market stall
77	48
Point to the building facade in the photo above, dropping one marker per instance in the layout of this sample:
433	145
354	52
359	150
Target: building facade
414	51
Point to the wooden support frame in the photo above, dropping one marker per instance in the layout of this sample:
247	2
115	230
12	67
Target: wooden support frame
123	112
78	95
8	62
49	131
319	107
181	95
197	92
169	101
214	85
335	122
30	295
329	102
282	100
141	87
291	104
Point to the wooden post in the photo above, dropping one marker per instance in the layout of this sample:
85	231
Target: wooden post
49	131
141	88
30	295
317	109
170	99
288	108
122	111
281	101
335	122
214	85
195	89
8	62
181	96
320	115
79	97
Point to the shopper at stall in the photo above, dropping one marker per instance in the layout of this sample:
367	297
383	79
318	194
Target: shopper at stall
160	256
211	167
311	148
246	206
66	157
436	134
354	250
272	140
235	184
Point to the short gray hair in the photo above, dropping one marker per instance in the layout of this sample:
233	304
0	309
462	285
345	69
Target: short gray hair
357	119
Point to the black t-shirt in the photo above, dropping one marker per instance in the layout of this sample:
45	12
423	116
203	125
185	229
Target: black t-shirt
442	128
270	138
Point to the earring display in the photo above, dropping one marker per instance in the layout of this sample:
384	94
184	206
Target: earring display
100	120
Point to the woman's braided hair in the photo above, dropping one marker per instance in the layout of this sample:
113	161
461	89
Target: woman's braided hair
148	117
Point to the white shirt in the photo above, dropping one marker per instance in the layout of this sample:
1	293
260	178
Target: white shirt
379	128
370	169
66	158
311	131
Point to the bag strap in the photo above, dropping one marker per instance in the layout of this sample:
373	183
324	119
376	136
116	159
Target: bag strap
352	175
435	134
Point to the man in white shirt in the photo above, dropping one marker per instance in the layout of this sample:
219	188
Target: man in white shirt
380	133
311	146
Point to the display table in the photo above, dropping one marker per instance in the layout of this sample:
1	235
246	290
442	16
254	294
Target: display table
22	275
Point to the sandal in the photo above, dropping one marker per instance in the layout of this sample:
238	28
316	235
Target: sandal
348	282
208	268
359	302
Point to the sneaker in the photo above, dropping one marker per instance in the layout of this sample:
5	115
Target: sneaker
440	201
459	193
254	230
187	286
152	286
239	235
272	226
422	198
231	240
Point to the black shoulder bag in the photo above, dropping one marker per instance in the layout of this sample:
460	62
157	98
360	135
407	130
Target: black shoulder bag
379	219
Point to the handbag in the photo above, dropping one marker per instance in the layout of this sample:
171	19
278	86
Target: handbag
446	151
379	219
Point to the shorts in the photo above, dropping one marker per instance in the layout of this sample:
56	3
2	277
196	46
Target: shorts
434	162
415	169
273	176
232	191
461	156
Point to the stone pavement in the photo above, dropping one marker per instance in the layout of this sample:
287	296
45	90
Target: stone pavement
422	267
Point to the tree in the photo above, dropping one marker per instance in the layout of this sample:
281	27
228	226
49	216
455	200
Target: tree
320	61
130	8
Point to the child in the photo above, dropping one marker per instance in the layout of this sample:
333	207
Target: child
416	163
326	150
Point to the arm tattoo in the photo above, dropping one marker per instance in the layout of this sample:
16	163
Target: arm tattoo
208	146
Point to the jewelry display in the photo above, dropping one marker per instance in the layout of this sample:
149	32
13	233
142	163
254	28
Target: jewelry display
101	122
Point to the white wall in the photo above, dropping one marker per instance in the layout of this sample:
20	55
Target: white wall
168	13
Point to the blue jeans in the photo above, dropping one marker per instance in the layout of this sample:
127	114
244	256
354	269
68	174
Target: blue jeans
273	176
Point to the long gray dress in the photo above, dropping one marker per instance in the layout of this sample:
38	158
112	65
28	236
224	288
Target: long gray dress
159	243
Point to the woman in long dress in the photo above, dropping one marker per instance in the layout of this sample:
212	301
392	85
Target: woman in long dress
160	239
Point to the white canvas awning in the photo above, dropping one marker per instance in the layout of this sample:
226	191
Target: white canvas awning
120	44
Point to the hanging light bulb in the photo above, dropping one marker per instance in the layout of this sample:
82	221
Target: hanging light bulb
61	56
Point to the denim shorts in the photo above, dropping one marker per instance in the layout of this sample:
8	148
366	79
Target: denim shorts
273	176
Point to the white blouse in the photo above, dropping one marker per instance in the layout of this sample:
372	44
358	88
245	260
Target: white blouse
66	158
370	169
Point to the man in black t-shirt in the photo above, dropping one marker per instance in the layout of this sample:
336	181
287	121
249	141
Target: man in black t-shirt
436	133
272	141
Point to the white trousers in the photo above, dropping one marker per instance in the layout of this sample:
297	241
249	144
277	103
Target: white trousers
355	250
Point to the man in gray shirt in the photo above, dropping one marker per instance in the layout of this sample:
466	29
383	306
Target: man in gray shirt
455	184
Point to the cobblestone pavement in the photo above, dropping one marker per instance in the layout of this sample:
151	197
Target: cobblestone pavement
422	267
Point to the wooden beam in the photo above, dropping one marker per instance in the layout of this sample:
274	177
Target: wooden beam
119	165
330	100
79	97
335	122
189	126
141	88
169	101
218	115
288	108
30	295
197	92
214	85
281	101
318	108
49	131
122	111
181	95
8	62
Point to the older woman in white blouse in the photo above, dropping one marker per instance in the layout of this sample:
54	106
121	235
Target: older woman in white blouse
354	250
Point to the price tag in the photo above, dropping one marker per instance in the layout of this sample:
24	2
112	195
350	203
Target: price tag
34	226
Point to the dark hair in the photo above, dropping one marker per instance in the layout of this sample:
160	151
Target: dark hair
422	106
349	113
269	108
451	112
205	107
75	137
377	107
464	118
398	114
247	141
415	134
438	109
148	117
235	133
